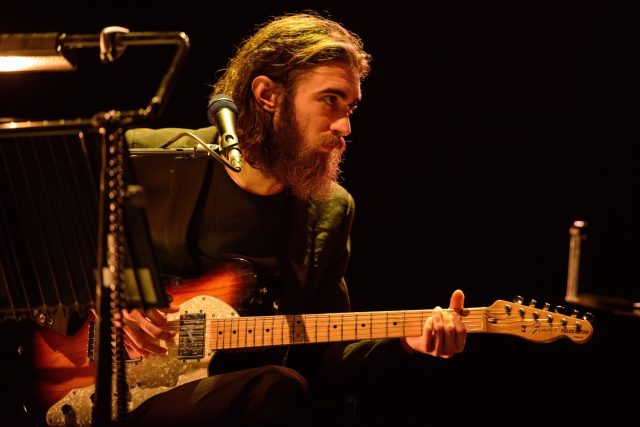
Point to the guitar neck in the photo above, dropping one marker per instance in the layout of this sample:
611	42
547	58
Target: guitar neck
263	331
502	317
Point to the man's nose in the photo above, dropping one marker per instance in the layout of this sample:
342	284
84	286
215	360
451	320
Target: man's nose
342	126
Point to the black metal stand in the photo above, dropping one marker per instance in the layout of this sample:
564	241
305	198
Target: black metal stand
110	287
113	243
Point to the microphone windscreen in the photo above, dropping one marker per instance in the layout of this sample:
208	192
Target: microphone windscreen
217	103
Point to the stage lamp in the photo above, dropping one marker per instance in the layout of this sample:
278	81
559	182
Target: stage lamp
33	52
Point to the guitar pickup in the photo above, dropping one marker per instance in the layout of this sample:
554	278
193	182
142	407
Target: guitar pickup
192	336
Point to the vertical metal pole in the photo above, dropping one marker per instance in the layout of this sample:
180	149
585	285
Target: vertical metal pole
576	233
110	291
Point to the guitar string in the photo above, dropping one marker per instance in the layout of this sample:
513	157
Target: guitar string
231	336
350	320
500	319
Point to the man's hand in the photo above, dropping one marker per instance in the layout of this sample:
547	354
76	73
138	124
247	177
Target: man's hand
142	331
444	334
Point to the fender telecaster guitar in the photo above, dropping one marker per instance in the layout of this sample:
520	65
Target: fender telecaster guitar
64	374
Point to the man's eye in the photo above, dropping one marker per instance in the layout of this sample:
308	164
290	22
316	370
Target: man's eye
331	99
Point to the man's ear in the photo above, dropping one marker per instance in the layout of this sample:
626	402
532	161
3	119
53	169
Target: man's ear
266	92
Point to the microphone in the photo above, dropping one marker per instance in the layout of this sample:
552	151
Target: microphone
222	113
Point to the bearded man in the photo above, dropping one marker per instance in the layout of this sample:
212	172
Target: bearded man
296	82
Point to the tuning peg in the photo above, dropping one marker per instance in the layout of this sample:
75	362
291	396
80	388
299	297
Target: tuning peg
560	309
532	303
518	299
546	306
574	313
588	317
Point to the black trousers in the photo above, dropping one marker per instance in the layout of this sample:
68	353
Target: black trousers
265	396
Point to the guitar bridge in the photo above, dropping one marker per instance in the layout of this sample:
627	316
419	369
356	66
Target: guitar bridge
192	336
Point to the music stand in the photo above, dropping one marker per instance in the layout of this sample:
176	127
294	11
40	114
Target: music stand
74	215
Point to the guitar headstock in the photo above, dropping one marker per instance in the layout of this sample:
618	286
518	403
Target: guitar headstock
537	324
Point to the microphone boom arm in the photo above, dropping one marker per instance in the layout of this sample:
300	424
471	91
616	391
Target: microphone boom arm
212	149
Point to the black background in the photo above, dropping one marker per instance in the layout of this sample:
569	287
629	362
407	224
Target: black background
485	130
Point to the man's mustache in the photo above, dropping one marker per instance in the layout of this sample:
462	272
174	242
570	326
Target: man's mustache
334	143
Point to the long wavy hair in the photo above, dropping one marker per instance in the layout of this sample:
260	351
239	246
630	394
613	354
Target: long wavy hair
281	49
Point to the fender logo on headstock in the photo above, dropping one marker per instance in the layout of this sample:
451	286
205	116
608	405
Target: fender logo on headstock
537	324
551	329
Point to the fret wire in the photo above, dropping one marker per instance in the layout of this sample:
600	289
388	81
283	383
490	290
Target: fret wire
271	329
355	327
223	333
246	333
293	332
404	323
235	331
217	335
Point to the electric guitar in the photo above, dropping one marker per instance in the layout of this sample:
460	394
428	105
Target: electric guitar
64	371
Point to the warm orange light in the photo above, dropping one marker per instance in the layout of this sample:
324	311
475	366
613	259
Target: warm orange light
32	52
34	63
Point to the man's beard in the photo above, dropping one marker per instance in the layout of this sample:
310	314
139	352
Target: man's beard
308	172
